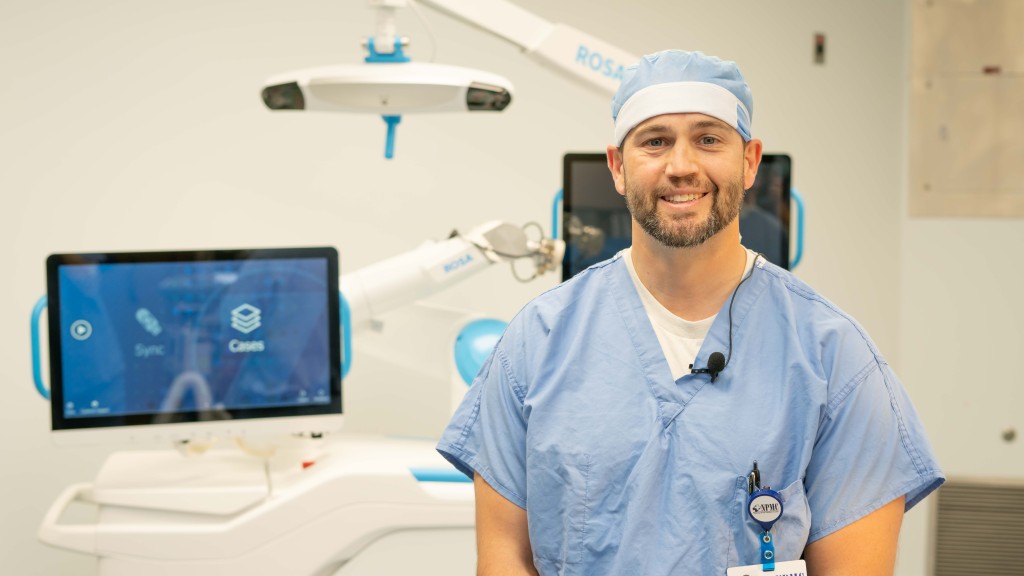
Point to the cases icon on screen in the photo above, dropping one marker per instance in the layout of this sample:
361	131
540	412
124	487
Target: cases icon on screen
148	321
81	329
245	318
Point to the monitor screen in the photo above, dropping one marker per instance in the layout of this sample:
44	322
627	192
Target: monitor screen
596	223
204	337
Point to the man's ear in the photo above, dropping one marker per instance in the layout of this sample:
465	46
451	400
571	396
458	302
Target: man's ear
615	167
751	161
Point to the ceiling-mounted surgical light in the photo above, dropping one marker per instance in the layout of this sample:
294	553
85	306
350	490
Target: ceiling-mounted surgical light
388	84
404	88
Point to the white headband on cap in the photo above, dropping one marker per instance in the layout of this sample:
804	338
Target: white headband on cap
680	97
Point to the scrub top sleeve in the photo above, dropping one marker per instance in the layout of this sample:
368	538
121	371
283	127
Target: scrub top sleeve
487	434
870	450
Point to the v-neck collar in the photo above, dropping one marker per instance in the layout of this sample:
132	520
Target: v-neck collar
674	395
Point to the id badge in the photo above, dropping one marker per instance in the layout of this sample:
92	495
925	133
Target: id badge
791	568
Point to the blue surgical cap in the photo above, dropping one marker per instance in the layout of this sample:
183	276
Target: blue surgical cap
674	81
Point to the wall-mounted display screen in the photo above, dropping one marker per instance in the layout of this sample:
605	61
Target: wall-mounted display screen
174	337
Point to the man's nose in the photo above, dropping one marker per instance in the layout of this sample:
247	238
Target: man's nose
681	161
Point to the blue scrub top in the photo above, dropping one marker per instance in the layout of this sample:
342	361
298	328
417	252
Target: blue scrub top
622	470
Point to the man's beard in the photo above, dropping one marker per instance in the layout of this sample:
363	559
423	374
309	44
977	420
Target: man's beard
684	232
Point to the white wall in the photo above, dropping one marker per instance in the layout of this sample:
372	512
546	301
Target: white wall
134	126
964	330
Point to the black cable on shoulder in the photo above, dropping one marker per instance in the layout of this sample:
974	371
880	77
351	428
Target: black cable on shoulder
733	299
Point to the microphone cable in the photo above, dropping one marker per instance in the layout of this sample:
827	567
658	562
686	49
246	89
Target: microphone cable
712	357
733	300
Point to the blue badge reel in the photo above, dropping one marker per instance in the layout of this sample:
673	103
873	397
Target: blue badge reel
765	507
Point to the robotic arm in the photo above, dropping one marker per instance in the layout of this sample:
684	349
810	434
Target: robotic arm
376	289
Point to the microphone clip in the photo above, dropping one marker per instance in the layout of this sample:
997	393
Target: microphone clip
716	363
714	374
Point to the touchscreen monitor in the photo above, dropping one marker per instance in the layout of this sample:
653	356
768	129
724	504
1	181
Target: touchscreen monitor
596	223
196	343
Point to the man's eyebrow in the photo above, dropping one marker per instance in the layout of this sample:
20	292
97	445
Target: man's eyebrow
650	129
710	123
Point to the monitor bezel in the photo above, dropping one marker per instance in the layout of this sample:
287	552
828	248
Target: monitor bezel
568	160
571	158
191	424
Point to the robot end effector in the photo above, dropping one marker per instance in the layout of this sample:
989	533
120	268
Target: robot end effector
434	266
503	241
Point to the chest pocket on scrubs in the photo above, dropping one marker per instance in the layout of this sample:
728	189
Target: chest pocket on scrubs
789	533
557	505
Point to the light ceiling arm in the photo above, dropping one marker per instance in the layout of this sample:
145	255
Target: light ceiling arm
385	39
589	59
498	17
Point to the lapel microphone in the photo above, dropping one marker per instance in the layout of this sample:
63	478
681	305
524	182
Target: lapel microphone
716	363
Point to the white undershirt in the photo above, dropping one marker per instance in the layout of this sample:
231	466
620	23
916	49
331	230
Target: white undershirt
680	339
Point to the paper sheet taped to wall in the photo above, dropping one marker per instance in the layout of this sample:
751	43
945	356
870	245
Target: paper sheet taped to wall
967	109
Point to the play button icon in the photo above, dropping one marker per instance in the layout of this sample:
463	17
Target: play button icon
81	330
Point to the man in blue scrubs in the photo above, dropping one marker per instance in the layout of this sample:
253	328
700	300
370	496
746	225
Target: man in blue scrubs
594	447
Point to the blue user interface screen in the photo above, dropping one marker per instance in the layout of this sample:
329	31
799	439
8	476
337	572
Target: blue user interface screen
208	338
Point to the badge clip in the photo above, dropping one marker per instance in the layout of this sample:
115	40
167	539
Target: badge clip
765	507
